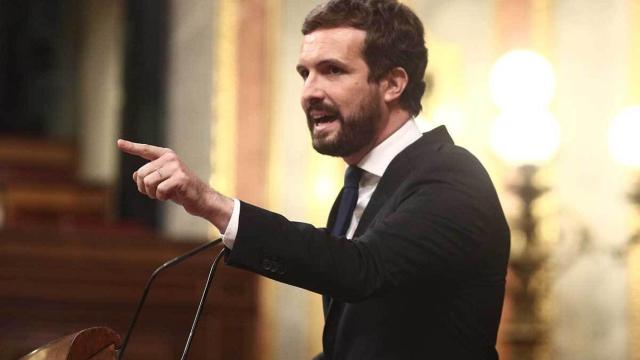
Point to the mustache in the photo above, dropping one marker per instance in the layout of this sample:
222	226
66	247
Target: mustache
320	106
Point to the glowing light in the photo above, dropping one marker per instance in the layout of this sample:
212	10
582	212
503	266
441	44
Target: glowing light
450	115
423	124
624	144
530	139
325	187
522	79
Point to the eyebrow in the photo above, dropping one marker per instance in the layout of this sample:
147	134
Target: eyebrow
333	62
330	61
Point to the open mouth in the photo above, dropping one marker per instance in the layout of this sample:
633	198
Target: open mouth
324	119
322	116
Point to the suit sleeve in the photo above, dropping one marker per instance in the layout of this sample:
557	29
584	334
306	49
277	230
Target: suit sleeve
438	226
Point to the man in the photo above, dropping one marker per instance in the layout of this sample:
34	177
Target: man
412	264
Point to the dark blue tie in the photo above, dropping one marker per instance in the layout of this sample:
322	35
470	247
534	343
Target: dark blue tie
348	201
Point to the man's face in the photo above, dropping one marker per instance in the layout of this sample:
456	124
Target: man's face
343	108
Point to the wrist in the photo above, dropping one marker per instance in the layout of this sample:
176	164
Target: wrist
218	209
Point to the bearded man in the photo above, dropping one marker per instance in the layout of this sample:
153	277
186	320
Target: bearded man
412	263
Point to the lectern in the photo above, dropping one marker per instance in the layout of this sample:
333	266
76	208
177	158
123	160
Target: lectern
97	343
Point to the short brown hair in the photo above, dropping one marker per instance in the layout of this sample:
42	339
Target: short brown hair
395	38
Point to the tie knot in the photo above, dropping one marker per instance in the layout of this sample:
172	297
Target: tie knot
352	177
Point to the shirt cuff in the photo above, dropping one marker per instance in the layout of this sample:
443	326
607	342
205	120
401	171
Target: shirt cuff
229	236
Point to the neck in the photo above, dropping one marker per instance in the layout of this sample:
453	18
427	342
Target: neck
395	119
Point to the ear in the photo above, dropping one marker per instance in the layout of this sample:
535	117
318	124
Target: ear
394	84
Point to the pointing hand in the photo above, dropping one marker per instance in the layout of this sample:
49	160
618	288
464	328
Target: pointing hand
165	177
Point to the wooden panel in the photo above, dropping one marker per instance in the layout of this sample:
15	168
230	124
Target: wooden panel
56	284
36	159
42	204
38	186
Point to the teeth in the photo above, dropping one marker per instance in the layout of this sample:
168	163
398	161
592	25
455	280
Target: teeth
325	118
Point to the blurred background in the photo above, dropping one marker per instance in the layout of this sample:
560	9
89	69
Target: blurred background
545	92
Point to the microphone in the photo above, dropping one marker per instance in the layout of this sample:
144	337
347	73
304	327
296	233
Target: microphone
153	276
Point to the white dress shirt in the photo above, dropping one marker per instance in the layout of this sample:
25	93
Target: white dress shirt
374	165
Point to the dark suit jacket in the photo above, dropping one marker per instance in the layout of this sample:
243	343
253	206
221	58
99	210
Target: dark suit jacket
423	277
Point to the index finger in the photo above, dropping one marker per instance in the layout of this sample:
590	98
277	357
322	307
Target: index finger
145	151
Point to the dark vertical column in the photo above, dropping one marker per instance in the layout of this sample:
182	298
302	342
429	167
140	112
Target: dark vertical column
34	75
143	115
16	72
4	58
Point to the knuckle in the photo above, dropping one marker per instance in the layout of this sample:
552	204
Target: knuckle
170	156
182	176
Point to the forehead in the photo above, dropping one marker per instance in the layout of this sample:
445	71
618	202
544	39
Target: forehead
343	43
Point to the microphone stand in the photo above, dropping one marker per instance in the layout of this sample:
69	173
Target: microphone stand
203	299
164	266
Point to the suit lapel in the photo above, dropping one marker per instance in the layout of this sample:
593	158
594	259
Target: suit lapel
389	182
397	172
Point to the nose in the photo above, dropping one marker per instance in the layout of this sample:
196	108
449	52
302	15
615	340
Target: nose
312	91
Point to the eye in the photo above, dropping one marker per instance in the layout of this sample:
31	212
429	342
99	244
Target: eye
335	70
304	73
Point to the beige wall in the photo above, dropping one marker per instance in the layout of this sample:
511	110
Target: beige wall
100	90
591	52
190	110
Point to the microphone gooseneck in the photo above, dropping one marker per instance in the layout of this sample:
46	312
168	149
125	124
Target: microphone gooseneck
164	266
203	299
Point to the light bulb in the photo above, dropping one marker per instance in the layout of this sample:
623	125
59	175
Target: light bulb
624	134
522	79
526	139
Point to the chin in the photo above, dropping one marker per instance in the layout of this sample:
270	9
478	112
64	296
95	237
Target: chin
325	140
332	148
325	148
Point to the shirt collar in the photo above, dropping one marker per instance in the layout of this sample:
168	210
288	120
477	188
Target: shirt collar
377	160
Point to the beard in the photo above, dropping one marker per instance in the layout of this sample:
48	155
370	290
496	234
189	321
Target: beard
355	131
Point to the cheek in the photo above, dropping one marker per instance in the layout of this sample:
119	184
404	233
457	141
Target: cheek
346	97
354	98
